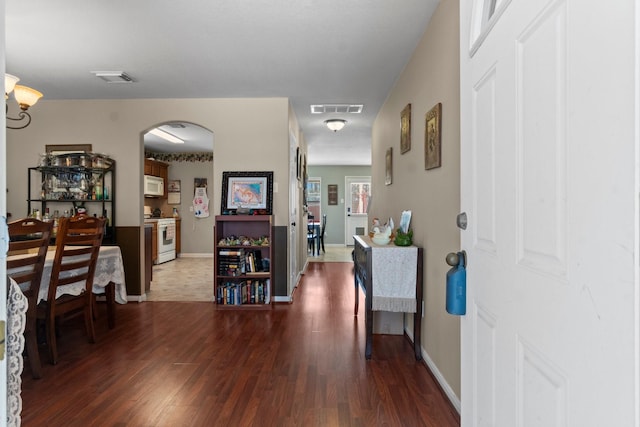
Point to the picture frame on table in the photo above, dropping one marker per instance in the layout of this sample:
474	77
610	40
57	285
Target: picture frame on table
405	129
247	190
432	139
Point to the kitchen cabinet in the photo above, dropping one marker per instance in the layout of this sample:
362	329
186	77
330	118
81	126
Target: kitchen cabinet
243	276
178	236
154	242
72	184
148	259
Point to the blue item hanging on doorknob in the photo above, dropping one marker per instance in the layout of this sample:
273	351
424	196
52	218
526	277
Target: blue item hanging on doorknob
457	284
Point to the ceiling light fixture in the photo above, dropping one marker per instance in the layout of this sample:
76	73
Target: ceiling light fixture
25	97
166	135
335	124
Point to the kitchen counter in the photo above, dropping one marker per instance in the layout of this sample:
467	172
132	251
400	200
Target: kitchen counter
152	220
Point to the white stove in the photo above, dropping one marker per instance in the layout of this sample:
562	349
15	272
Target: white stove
166	240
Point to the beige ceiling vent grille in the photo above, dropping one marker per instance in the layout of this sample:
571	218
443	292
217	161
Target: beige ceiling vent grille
337	108
113	76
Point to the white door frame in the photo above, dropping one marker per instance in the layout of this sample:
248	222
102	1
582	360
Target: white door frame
3	238
294	217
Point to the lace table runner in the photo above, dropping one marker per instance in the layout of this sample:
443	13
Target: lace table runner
394	275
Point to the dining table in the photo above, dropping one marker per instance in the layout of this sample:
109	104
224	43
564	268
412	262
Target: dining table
109	271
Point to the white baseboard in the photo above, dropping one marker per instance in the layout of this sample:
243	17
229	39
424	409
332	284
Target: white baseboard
195	255
448	391
136	298
282	299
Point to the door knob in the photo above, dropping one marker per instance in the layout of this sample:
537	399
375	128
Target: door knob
293	224
453	258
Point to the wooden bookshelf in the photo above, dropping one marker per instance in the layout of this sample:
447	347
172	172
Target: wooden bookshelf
243	275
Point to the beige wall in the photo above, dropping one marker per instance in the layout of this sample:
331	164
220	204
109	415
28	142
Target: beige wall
433	196
249	134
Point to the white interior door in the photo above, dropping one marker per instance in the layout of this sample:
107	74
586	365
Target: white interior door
549	183
357	196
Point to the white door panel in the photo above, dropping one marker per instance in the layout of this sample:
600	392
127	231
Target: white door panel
549	186
357	198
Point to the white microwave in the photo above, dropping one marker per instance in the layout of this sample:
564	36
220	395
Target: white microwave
153	186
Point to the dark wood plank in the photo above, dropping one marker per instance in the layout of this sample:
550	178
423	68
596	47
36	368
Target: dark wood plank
172	364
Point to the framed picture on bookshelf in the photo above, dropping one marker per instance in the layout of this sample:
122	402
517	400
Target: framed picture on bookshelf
247	190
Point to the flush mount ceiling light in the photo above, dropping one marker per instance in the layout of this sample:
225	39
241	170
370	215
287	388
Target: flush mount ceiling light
166	136
113	76
335	124
25	97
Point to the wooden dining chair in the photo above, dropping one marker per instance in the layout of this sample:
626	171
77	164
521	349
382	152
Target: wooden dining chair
311	235
323	226
28	244
77	247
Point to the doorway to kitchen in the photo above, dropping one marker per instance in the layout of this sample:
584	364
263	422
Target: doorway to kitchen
185	151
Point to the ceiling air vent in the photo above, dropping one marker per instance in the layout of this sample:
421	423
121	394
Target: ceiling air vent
113	76
336	108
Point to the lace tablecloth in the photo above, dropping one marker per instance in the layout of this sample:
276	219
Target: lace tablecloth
109	268
16	320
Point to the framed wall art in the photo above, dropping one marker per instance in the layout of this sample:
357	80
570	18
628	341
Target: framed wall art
332	194
388	164
173	192
247	190
405	129
432	140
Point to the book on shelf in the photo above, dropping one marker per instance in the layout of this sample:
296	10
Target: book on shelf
245	292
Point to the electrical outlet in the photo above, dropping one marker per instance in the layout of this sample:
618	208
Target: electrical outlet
190	208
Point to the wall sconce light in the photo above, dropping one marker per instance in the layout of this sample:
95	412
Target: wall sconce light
25	97
335	124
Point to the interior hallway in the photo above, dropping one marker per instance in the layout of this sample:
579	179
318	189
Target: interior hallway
189	364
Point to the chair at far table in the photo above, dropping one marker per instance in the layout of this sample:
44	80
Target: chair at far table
323	226
29	238
312	236
77	247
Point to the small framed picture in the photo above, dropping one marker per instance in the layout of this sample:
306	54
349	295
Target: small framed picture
405	129
432	140
388	165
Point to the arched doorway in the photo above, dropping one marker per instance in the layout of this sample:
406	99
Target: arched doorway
186	150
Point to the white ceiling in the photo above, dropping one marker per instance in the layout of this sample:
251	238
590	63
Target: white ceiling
311	51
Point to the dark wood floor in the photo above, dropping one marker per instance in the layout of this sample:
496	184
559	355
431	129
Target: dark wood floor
188	364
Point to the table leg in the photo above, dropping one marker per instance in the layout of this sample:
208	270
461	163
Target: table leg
110	294
417	317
